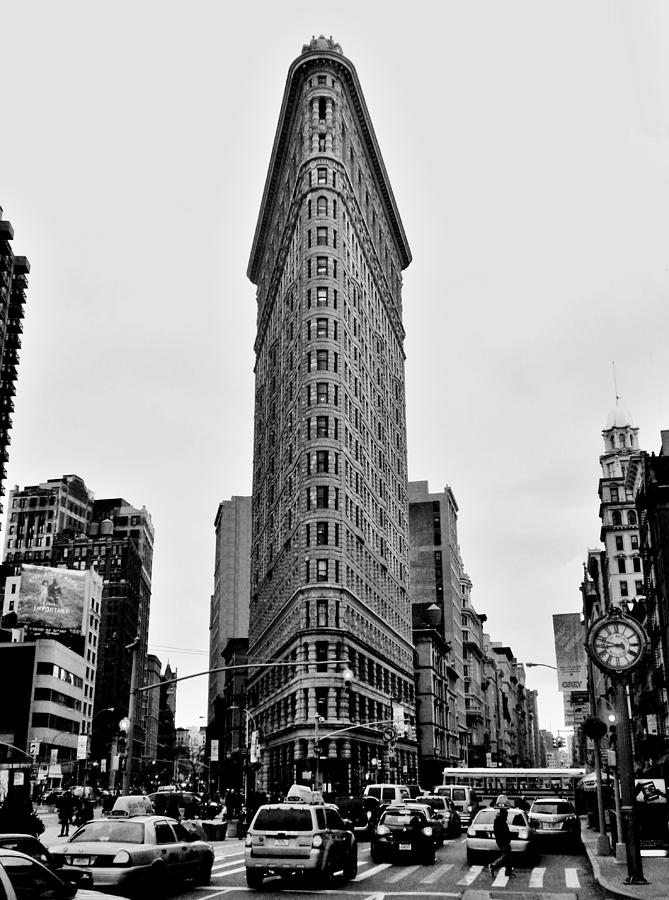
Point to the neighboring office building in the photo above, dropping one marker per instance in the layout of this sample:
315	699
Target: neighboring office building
232	580
57	612
437	582
329	570
13	284
648	485
59	523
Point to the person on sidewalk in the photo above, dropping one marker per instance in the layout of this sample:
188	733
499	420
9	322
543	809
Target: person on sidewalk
65	810
503	837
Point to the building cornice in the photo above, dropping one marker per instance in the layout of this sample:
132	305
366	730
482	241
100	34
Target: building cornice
296	75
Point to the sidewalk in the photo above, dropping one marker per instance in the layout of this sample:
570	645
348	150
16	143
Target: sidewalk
611	874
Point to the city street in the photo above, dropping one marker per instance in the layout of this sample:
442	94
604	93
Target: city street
553	876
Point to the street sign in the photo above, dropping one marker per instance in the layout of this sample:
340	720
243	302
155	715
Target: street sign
34	748
213	752
389	734
82	746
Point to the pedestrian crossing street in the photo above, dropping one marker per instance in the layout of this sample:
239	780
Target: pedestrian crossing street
233	864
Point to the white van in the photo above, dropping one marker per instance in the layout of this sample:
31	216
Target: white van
465	799
388	793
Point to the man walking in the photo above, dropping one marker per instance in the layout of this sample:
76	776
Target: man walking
503	837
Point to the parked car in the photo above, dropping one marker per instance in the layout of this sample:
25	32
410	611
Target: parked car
138	854
388	793
300	837
555	822
31	846
435	820
452	822
466	799
402	832
22	877
481	838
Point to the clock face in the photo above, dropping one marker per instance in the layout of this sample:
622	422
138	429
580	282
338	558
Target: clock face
617	644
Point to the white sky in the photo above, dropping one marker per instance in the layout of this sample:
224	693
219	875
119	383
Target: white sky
526	143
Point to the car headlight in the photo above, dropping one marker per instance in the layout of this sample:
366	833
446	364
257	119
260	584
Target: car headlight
471	832
383	829
317	840
249	840
122	858
427	831
523	834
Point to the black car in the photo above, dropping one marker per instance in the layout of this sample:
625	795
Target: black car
26	843
402	832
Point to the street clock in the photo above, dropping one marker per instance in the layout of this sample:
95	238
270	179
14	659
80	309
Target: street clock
616	643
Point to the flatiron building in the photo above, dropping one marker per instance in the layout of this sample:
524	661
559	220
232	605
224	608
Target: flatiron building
329	549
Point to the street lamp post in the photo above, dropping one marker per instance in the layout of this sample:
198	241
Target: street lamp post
245	776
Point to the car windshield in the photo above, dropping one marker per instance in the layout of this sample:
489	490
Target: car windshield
488	816
553	809
403	818
283	820
111	831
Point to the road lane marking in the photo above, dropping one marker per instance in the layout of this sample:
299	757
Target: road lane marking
436	875
398	876
501	881
571	878
228	872
226	865
372	871
471	876
537	878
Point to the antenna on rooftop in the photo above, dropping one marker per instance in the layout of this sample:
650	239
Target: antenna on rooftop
615	381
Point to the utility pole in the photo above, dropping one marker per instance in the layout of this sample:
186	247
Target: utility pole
132	712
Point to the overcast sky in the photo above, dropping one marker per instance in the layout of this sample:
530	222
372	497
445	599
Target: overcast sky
526	144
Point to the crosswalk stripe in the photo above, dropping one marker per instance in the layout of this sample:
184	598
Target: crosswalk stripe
372	871
537	878
571	878
471	876
398	876
228	872
436	874
229	865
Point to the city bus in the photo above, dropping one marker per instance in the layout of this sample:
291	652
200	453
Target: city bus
489	783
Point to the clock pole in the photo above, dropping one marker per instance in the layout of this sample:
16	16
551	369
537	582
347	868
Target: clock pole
630	826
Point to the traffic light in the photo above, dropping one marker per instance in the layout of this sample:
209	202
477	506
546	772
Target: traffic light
347	675
613	736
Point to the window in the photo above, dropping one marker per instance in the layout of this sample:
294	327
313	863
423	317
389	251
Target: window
634	541
321	296
619	542
322	612
616	518
322	236
322	497
623	589
321	570
322	461
614	494
322	360
621	565
321	265
164	833
636	564
321	81
321	532
321	143
321	426
638	585
631	517
321	328
321	175
321	392
322	206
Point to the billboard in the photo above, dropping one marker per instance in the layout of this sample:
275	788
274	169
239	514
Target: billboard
52	599
570	652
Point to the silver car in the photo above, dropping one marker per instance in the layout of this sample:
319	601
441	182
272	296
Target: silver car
555	822
138	855
481	841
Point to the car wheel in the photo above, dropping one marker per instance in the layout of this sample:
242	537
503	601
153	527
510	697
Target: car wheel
472	856
158	878
203	874
351	867
375	855
254	879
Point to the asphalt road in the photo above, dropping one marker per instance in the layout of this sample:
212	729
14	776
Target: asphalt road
554	876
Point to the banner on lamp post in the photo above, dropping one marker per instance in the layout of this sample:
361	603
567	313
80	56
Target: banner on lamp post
570	655
213	751
82	746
